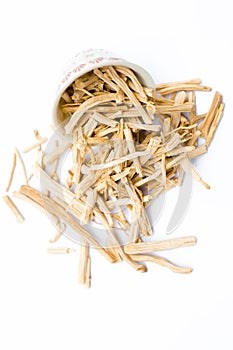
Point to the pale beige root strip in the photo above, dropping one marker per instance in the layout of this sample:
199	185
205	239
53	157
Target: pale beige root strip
175	117
39	151
104	120
130	113
30	201
131	148
162	262
122	84
106	79
53	217
198	151
192	99
105	210
35	145
86	183
182	128
90	103
214	124
188	168
118	202
147	179
51	156
66	97
181	176
14	209
22	165
149	247
134	230
90	201
176	161
173	142
184	87
150	127
205	126
61	250
37	135
136	84
114	239
144	224
194	138
112	248
39	159
53	208
123	173
166	126
195	81
58	234
107	110
58	190
131	262
83	264
198	118
179	150
11	173
89	126
118	161
184	107
88	273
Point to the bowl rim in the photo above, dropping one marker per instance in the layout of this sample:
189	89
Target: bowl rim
144	77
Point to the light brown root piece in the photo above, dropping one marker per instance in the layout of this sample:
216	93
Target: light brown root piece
84	265
131	148
14	209
122	84
175	117
60	250
35	145
195	81
162	262
214	124
22	165
205	126
92	102
53	208
187	166
184	87
118	161
12	172
198	152
149	247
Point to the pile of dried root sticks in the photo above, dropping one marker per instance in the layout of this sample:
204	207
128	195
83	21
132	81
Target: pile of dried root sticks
129	144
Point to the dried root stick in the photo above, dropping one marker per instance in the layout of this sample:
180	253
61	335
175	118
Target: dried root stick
14	209
149	247
161	261
12	172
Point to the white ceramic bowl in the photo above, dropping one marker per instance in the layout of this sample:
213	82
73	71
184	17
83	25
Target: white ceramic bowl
88	60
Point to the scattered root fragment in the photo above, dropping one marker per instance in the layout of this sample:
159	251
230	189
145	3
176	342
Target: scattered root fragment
149	247
22	165
12	172
14	209
60	250
84	265
35	145
161	261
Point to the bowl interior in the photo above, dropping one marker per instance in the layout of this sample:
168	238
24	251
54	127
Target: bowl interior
143	76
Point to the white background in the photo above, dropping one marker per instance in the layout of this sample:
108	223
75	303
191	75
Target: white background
41	303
